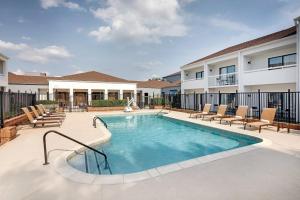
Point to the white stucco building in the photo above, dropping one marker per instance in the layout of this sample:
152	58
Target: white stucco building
74	90
3	72
268	63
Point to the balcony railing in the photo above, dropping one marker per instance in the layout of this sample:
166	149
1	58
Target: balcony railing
270	68
230	79
192	79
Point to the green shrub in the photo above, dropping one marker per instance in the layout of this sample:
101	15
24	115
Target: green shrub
109	103
46	102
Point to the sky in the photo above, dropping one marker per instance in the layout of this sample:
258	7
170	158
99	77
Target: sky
132	39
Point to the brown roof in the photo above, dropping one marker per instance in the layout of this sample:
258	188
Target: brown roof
153	84
268	38
25	79
92	76
176	73
174	84
43	80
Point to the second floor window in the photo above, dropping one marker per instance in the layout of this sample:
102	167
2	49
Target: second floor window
200	75
289	59
227	70
1	67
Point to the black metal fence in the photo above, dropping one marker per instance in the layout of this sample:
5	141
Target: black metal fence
12	102
287	103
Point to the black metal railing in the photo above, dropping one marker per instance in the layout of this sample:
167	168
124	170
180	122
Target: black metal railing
287	103
12	102
100	119
46	162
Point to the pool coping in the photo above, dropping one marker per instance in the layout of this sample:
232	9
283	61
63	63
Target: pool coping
62	166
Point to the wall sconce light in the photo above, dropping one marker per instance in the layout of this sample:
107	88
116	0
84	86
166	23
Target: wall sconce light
249	62
210	70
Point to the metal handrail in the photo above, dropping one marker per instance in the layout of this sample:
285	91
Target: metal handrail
76	141
103	122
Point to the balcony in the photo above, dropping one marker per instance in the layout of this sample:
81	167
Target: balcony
274	75
193	83
223	80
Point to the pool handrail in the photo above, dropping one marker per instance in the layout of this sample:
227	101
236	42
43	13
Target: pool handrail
94	121
76	141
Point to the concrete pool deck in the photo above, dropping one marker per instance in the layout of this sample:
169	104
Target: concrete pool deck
270	172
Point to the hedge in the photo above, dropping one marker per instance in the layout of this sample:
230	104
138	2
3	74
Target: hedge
109	103
46	102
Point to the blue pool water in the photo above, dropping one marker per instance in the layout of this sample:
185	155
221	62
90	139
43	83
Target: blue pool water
141	142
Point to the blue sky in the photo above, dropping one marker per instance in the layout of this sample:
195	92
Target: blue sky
133	39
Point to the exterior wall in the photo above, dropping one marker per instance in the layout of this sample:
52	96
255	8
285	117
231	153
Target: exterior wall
4	76
191	74
250	76
260	60
72	86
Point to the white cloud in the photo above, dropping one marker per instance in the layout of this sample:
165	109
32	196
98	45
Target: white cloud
36	55
26	38
139	20
79	30
60	3
21	20
11	46
148	66
230	25
19	72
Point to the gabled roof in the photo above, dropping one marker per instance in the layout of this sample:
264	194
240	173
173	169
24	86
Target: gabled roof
261	40
25	79
92	76
174	74
44	80
153	84
174	84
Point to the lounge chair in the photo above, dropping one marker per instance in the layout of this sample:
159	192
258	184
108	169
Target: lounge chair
41	117
220	113
205	111
51	113
43	113
240	115
36	122
266	119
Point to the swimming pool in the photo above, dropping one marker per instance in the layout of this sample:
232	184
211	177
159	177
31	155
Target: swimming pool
141	142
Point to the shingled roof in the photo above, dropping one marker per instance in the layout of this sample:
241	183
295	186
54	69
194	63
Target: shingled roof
153	84
261	40
92	76
44	80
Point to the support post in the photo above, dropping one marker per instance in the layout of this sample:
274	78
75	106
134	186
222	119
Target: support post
259	106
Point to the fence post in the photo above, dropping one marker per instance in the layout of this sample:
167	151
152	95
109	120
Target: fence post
205	96
2	110
237	98
289	105
259	106
194	100
220	98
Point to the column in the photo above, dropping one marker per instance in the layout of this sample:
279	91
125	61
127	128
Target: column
240	71
206	72
89	97
71	97
135	97
297	23
121	94
51	96
106	94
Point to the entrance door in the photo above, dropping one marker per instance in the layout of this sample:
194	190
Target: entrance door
146	98
80	99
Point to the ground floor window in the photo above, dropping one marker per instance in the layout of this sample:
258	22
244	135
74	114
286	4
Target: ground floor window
127	94
113	95
97	95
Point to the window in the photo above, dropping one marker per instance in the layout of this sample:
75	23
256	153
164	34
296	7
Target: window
200	75
289	59
227	69
1	67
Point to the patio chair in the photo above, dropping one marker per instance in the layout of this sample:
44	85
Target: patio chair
240	115
36	122
205	111
220	113
51	113
41	117
42	112
267	118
